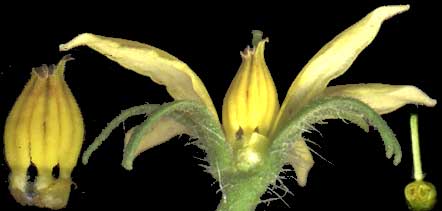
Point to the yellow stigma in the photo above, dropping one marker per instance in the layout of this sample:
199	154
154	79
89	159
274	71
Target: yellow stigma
251	102
44	128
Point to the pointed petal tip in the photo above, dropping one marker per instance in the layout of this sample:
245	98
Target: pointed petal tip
383	98
431	102
66	58
421	98
163	68
301	161
79	40
302	181
302	173
386	12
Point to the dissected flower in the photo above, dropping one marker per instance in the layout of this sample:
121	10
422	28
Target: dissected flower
256	136
44	129
251	108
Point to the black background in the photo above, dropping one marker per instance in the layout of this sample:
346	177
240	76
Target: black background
208	38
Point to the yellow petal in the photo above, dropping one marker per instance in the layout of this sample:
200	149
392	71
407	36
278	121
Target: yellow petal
181	82
334	59
163	130
302	161
383	98
251	102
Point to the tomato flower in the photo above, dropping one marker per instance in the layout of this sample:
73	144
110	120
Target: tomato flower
257	135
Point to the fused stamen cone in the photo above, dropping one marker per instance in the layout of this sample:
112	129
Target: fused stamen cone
44	128
251	102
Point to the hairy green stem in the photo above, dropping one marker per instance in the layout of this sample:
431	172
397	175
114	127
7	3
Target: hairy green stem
242	191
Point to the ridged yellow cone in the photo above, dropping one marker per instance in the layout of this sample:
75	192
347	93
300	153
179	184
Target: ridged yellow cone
44	128
250	105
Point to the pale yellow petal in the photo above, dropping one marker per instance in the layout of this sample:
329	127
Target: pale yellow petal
162	131
181	82
302	161
334	59
383	98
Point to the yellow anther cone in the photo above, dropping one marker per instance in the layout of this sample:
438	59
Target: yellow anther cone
250	106
251	102
44	128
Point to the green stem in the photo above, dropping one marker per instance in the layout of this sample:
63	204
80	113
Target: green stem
243	191
418	175
239	199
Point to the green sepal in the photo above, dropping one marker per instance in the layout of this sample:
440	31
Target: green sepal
201	124
325	108
145	109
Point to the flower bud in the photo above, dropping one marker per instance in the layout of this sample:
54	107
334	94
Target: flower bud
44	129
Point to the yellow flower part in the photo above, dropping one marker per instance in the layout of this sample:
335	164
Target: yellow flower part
251	114
250	105
251	102
180	81
44	129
